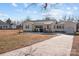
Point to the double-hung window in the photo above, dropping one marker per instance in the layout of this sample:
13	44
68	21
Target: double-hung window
27	26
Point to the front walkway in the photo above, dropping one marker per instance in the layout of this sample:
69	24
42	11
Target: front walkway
57	46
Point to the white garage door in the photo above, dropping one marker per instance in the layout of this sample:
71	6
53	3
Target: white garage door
69	30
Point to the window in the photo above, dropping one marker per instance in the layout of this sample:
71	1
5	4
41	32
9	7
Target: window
57	27
63	27
5	26
27	26
60	27
47	26
54	26
77	25
0	27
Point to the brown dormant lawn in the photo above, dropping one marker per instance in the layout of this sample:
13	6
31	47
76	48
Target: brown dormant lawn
11	39
75	46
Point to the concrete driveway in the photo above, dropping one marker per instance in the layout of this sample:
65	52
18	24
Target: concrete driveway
57	46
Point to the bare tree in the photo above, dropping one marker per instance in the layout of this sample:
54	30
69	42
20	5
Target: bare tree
77	19
65	18
28	18
8	21
47	18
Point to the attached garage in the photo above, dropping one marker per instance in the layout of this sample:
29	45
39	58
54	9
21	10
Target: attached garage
69	30
70	27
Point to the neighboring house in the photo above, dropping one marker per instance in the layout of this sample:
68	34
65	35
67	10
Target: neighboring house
50	26
4	25
13	26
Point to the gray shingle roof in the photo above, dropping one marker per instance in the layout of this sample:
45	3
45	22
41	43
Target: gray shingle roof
1	22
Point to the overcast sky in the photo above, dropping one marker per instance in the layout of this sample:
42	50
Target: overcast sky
20	11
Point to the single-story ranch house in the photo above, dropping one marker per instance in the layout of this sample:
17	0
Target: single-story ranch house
51	26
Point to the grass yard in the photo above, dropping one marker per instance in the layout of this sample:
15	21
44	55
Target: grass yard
11	40
75	46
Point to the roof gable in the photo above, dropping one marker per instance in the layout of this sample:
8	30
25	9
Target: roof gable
1	22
